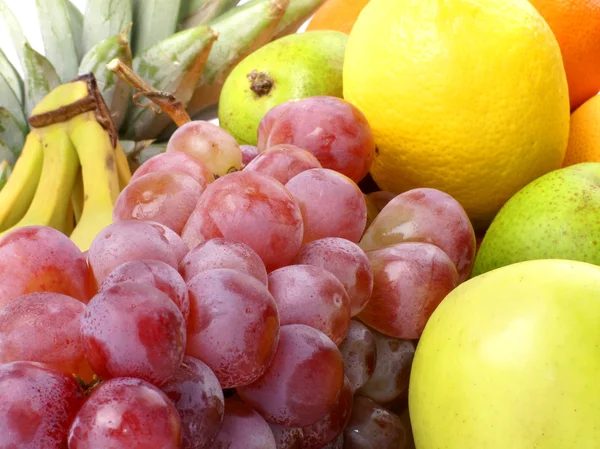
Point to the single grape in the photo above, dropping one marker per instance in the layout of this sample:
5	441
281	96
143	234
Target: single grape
197	395
302	383
166	197
405	419
253	209
243	428
130	240
429	216
41	259
332	129
178	162
373	427
410	280
133	330
269	119
328	428
126	413
283	162
249	152
156	274
233	325
222	253
287	437
359	352
37	406
346	261
44	327
209	144
376	201
310	295
392	369
332	205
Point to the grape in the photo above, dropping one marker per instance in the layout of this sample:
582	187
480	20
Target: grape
243	428
130	240
249	152
156	274
302	383
392	369
209	144
178	162
197	395
37	406
222	253
310	295
283	162
332	129
126	413
338	443
287	437
269	119
410	280
429	216
233	325
405	418
133	330
373	427
44	327
41	259
347	262
332	205
376	201
359	353
253	209
331	425
166	197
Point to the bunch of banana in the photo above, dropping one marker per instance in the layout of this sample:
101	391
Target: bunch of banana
72	166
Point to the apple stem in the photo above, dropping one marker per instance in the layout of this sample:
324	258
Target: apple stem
260	83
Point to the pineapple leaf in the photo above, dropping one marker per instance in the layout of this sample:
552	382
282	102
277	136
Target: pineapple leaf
5	165
15	31
11	77
11	133
201	12
298	12
103	19
40	77
6	155
76	20
11	103
59	40
154	21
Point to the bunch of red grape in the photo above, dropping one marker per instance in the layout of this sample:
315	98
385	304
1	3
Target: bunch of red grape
253	311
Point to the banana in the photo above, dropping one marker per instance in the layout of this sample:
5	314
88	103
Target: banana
69	219
77	196
20	189
123	170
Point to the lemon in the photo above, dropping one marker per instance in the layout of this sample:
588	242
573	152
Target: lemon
466	96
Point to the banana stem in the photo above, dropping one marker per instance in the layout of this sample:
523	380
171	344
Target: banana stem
159	100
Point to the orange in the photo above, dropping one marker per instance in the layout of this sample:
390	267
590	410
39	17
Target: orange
584	137
338	15
576	25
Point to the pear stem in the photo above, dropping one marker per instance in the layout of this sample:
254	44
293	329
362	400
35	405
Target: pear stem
260	83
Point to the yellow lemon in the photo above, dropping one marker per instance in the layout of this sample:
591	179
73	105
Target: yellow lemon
466	96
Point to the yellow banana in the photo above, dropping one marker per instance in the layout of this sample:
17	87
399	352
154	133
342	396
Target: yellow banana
69	219
123	170
77	196
17	194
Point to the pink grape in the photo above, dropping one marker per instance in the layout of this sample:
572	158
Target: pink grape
126	413
332	205
359	352
283	162
37	406
233	325
178	162
253	209
44	327
392	369
209	144
41	259
222	253
428	216
410	280
166	197
156	274
243	428
347	262
373	427
249	152
130	240
310	295
133	330
332	129
331	425
287	437
197	396
269	119
302	383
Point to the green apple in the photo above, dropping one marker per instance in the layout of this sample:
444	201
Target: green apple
556	216
511	360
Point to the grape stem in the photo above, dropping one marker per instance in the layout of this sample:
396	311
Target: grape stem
159	101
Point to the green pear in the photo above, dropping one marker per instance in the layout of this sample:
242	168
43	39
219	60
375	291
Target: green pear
294	67
556	216
511	359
